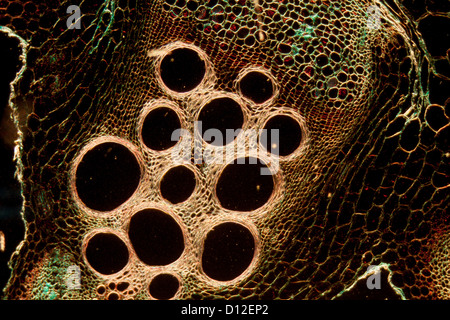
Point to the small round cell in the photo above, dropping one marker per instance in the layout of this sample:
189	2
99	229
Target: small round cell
256	86
178	184
220	120
101	289
156	237
113	296
282	135
158	128
122	286
244	185
182	70
164	286
106	253
228	251
107	176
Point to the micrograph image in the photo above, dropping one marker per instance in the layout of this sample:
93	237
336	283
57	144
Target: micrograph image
224	150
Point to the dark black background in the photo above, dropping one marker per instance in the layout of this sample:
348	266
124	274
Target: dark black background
10	199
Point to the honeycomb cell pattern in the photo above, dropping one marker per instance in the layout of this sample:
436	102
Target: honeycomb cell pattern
108	174
359	172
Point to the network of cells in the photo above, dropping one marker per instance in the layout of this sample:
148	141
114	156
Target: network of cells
147	160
